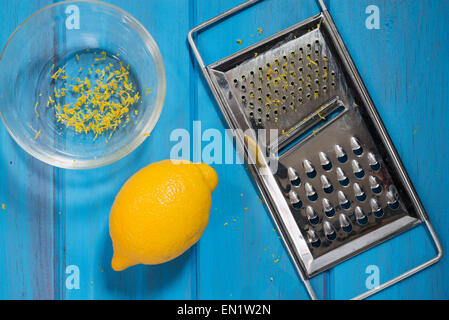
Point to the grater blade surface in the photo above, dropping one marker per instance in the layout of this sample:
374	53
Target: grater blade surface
337	190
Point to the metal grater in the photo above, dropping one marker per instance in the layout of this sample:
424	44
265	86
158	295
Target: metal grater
339	187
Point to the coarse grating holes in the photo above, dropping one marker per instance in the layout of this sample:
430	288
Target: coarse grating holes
327	186
360	216
376	209
312	216
313	238
343	200
359	173
373	163
329	231
310	192
309	169
345	223
376	188
295	200
340	153
356	146
333	211
359	193
328	209
293	177
341	177
325	162
392	199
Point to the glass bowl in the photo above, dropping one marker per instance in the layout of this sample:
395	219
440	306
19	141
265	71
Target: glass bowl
58	48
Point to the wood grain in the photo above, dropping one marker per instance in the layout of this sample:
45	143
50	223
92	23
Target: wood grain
55	218
26	190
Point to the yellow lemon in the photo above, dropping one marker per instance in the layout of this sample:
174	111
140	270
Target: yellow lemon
160	212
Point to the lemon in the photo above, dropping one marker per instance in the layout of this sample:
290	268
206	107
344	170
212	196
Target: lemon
160	212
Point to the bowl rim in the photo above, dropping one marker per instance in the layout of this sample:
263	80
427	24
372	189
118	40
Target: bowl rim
150	43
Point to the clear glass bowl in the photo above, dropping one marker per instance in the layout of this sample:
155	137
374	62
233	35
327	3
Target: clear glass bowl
69	35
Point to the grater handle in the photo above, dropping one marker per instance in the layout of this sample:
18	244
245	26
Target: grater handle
219	18
210	22
411	271
322	5
402	276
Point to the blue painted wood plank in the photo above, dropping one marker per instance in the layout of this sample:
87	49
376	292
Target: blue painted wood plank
86	238
403	65
408	249
241	255
26	190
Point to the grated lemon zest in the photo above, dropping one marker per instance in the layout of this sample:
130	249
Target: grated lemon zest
308	58
37	135
102	58
35	109
100	106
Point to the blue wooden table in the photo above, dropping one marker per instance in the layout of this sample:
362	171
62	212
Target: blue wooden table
55	221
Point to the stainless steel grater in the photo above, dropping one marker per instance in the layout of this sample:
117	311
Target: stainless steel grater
339	187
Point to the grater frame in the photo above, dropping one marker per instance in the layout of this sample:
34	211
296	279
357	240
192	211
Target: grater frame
266	182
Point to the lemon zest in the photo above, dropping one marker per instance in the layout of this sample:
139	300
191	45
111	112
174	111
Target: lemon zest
37	135
35	109
308	58
102	58
100	106
56	75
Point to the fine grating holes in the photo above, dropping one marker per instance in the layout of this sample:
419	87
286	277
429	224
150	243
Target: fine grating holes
282	74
